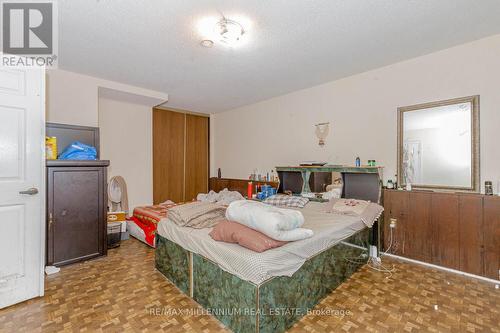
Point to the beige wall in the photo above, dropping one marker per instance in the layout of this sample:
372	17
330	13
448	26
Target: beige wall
72	98
126	140
362	112
124	115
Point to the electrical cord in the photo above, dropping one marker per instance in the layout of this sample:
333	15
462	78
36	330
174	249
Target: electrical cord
376	263
389	247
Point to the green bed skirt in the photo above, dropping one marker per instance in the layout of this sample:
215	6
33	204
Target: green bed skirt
274	305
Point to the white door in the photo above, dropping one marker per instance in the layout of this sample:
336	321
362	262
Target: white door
22	184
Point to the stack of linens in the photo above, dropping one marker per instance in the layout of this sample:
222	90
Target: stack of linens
197	214
260	227
278	223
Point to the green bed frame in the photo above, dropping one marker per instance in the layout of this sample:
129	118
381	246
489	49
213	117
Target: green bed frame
275	304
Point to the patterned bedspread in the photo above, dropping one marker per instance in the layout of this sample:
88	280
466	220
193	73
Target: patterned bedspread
147	218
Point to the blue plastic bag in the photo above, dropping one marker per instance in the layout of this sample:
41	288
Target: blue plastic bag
78	151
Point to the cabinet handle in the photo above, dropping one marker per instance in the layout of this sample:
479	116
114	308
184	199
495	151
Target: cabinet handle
51	220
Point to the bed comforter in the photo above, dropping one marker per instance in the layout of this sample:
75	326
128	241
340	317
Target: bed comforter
148	217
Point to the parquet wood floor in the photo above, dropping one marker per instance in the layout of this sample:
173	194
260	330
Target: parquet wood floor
123	293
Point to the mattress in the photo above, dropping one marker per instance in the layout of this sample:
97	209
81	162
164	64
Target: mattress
329	229
136	232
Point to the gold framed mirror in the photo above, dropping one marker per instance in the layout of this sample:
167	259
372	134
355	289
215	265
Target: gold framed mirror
438	145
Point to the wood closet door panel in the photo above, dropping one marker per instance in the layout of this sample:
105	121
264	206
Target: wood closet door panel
396	206
418	231
168	156
197	132
471	236
491	237
445	220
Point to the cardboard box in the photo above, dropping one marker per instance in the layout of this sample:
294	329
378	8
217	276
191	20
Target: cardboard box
116	216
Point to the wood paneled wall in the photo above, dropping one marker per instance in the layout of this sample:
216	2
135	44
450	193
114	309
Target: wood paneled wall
445	215
491	236
471	234
396	205
180	155
418	229
454	230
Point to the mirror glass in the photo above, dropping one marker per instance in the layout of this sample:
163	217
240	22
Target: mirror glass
437	145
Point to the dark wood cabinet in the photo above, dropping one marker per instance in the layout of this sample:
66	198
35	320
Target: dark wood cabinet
455	230
76	211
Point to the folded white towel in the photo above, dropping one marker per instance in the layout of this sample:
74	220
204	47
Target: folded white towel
278	223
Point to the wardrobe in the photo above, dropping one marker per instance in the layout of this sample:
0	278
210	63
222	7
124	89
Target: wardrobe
76	200
180	155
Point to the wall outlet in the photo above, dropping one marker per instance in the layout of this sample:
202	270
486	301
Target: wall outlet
393	223
376	261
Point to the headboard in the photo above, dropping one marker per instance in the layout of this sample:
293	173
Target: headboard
362	183
240	185
66	134
362	186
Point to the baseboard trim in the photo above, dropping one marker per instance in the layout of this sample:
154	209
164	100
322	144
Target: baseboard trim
443	268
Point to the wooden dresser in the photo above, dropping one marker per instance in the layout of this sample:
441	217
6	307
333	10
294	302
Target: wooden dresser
455	230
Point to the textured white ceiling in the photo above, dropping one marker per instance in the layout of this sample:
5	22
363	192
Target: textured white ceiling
292	44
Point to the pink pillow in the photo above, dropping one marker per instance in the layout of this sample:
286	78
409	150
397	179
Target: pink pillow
233	232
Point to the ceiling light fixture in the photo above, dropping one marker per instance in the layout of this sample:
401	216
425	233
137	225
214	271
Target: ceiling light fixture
207	43
229	31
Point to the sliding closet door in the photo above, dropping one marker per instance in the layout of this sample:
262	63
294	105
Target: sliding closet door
168	156
196	156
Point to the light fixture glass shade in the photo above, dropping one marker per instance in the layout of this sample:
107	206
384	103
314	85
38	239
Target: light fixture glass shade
322	131
230	31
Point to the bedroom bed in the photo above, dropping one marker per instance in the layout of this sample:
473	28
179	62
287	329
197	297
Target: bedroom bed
144	221
269	291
